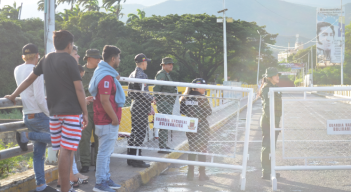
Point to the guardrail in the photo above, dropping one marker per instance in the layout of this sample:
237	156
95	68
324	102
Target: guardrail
336	93
15	126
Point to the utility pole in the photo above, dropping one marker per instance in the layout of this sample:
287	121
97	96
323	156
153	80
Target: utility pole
259	55
341	46
20	11
224	41
312	67
308	66
49	27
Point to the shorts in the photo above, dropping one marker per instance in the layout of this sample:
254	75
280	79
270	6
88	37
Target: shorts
66	131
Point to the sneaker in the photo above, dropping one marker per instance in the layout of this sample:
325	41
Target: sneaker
48	189
72	190
112	184
102	187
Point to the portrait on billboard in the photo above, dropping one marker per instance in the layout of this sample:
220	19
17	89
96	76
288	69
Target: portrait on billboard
329	40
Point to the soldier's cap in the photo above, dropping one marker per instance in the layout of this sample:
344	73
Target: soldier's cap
94	53
140	58
270	72
167	60
199	81
30	48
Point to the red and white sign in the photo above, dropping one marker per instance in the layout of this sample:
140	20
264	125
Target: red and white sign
339	127
175	122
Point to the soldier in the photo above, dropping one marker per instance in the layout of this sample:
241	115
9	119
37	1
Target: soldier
93	57
140	109
271	80
165	102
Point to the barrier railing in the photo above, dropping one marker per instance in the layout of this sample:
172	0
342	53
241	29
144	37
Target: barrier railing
209	130
315	132
126	118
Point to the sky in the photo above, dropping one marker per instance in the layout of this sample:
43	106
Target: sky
30	6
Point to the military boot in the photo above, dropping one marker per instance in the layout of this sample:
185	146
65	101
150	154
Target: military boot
190	174
202	171
130	152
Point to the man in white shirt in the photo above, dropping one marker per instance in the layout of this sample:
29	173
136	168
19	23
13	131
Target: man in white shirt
35	115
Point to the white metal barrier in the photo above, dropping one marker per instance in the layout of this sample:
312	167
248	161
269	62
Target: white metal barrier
224	142
306	141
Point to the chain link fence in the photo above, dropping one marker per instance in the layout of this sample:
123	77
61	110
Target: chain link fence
204	121
308	139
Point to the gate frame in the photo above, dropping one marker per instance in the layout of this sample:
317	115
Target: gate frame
245	157
273	129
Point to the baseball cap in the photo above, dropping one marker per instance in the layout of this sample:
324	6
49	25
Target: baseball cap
140	58
30	48
199	81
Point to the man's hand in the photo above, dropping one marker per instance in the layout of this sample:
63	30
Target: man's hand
115	122
11	98
89	100
85	121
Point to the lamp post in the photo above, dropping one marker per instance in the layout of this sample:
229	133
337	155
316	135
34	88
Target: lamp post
259	55
224	41
341	46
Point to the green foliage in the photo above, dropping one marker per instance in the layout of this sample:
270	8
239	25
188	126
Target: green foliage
7	165
297	82
13	114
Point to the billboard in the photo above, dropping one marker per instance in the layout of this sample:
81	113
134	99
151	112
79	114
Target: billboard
329	42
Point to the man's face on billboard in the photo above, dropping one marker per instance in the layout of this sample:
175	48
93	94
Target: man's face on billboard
326	38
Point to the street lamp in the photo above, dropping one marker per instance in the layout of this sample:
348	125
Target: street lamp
224	41
259	55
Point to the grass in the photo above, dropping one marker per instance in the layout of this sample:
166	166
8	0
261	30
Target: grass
14	114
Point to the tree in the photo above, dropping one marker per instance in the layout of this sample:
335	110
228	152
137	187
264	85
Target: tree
116	10
72	2
90	5
196	44
109	3
11	12
41	5
140	15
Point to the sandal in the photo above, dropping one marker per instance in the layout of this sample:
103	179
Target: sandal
73	184
83	177
81	181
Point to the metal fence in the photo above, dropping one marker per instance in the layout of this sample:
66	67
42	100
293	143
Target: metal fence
314	131
209	126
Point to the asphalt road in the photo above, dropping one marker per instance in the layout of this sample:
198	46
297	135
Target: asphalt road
305	136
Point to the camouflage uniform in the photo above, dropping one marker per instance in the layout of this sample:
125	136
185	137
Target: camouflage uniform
265	121
84	144
164	103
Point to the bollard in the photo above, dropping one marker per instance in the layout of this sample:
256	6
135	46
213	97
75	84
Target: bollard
52	159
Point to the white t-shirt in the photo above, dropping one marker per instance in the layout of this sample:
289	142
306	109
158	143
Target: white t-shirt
33	98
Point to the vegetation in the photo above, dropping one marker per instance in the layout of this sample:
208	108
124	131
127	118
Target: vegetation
193	41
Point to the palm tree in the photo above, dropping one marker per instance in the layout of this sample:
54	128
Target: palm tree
41	5
109	3
75	11
72	2
116	10
139	16
11	11
90	5
65	14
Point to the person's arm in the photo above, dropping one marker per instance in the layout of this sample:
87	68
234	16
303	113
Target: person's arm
161	77
106	104
39	95
81	98
23	86
265	99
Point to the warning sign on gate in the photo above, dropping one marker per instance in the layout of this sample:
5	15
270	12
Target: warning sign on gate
176	123
339	127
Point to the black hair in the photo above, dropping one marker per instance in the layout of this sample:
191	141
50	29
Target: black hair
320	25
61	39
80	68
110	51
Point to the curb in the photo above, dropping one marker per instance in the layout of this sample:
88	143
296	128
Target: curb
157	168
24	182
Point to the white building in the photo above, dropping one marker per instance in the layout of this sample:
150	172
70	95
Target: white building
283	55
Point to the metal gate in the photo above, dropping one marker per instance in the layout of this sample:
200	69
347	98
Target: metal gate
220	135
313	133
